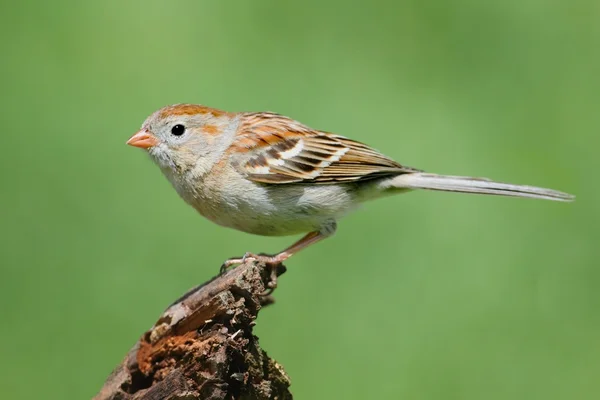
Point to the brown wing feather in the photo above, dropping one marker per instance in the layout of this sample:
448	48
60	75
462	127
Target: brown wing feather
281	150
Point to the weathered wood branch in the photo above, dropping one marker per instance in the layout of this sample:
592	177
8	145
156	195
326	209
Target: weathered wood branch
202	347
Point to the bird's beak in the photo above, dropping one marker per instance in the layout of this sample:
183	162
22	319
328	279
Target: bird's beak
143	139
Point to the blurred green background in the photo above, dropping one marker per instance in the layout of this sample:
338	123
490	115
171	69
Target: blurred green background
422	296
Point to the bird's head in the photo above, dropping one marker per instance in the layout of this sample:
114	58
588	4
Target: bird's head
179	137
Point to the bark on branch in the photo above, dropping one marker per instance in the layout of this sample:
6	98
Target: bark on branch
202	347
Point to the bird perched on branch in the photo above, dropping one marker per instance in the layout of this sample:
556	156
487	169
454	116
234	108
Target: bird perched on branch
266	174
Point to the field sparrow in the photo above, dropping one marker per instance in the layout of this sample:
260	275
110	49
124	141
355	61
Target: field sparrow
267	174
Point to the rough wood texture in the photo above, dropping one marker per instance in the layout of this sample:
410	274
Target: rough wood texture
202	347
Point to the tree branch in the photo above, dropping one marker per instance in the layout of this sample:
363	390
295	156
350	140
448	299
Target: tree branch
202	347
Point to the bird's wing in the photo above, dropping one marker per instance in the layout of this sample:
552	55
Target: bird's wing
280	150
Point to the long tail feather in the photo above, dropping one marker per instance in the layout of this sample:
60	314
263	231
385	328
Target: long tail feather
465	184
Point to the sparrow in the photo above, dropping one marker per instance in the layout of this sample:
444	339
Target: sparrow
267	174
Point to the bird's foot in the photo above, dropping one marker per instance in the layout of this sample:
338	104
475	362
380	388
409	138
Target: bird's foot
272	263
237	261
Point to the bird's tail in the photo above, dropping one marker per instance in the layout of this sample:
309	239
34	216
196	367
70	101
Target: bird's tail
466	184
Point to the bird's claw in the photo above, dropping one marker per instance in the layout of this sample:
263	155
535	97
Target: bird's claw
271	262
236	261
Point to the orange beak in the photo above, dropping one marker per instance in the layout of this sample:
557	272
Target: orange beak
143	139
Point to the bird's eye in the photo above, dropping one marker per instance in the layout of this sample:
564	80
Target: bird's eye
178	130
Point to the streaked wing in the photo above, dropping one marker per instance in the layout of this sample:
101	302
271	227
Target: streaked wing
281	150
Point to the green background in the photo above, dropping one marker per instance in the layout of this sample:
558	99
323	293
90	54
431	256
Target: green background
422	296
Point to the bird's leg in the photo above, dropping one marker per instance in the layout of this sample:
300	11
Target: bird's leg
273	261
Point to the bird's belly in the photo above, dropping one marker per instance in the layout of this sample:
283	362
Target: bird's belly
277	211
268	225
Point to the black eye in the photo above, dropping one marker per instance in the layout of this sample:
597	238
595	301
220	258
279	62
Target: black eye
178	130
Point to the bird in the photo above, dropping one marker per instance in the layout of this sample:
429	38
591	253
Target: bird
266	174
